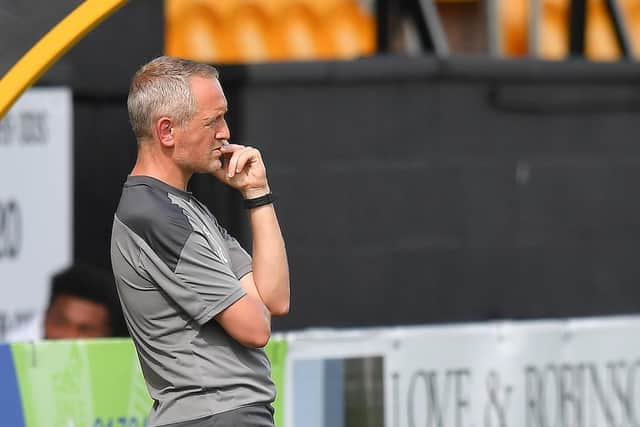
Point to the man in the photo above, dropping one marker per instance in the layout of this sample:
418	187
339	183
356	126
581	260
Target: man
82	304
197	305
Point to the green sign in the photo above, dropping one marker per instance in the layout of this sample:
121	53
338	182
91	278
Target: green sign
97	383
277	352
94	383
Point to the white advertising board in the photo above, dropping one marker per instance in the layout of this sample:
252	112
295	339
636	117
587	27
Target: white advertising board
579	373
35	200
560	373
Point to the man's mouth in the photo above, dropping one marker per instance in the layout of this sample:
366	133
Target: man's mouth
220	146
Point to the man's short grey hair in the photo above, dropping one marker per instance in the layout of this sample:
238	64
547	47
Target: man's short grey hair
162	87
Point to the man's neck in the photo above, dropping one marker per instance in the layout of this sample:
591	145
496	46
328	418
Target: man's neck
159	166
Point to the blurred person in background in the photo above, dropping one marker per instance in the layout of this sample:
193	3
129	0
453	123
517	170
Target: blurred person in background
197	305
82	304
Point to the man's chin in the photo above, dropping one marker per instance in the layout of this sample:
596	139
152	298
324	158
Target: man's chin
213	166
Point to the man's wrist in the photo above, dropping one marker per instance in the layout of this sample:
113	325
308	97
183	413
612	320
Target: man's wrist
254	193
257	202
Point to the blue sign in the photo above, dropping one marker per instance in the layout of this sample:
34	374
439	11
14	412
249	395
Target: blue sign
10	404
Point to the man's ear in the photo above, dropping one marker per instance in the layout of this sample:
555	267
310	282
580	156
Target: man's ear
164	131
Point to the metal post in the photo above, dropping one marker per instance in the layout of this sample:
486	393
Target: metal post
534	27
577	26
494	30
622	36
383	19
434	28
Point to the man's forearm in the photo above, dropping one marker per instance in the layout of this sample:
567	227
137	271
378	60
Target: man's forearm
270	267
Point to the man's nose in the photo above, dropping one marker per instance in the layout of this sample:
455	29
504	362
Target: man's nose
224	132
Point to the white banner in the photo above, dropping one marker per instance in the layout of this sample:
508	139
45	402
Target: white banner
35	200
573	373
580	373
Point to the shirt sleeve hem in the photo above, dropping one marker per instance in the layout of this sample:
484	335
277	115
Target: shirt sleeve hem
220	306
243	270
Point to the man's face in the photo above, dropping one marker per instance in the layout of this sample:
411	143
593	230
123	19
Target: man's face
197	143
71	317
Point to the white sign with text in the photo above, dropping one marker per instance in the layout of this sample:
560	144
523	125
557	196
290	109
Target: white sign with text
579	373
35	200
551	373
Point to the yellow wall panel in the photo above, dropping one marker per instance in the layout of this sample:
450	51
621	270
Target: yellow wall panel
553	42
261	30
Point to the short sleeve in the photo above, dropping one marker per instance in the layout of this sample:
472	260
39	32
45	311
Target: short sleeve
202	284
240	259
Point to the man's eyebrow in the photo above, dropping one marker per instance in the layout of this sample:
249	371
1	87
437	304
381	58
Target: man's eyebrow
218	113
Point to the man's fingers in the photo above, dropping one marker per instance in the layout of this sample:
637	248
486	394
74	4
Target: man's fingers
230	148
239	160
244	156
230	151
231	168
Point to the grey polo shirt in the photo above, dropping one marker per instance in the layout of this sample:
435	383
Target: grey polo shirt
175	269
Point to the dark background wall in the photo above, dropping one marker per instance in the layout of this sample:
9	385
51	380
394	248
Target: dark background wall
410	190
